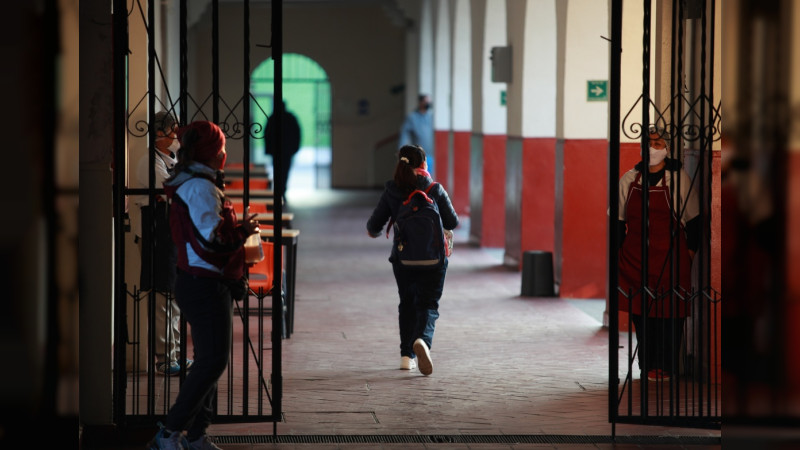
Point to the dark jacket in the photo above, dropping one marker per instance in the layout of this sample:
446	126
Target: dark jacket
392	197
290	137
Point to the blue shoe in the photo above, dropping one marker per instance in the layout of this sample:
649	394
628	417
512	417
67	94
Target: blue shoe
173	368
168	440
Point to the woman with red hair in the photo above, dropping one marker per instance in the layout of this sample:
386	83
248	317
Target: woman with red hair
211	265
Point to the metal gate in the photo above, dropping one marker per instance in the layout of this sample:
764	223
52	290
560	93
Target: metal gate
680	315
251	388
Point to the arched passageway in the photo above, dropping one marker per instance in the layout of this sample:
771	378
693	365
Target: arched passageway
307	92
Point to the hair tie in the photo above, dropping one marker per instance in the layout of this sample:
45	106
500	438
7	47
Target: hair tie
405	160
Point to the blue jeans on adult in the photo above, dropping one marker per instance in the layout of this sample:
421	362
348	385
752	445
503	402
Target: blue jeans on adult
206	303
420	291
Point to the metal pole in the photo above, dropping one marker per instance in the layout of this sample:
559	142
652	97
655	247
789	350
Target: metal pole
615	77
215	61
277	301
644	291
120	60
246	162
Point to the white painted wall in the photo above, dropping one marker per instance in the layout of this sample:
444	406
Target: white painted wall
412	11
539	70
442	66
532	91
493	115
426	62
461	79
631	65
586	59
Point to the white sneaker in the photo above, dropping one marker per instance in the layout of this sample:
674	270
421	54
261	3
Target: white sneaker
423	357
407	363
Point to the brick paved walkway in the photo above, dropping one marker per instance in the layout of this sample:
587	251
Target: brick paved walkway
503	364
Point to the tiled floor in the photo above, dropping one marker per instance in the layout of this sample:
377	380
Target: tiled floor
503	364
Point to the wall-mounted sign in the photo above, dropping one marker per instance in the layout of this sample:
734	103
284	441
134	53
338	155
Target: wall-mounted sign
597	90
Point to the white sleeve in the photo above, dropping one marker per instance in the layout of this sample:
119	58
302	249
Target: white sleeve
205	205
624	187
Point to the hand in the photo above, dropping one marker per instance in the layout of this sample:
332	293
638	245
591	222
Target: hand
373	236
250	225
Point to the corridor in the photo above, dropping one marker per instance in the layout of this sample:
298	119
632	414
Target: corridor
503	365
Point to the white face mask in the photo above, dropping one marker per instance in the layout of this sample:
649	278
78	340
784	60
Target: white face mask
174	146
657	155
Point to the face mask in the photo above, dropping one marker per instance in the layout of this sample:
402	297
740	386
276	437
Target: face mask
657	155
174	146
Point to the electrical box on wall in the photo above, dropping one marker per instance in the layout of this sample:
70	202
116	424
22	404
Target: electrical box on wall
501	64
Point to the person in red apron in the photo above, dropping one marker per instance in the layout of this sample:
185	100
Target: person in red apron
673	228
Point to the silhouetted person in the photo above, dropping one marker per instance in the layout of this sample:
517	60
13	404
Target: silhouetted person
290	140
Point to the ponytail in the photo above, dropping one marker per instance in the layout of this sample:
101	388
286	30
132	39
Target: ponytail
410	157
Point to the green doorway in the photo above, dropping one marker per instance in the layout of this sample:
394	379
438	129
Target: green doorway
307	93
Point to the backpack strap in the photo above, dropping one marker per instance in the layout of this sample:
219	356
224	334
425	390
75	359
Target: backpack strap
424	194
415	192
430	186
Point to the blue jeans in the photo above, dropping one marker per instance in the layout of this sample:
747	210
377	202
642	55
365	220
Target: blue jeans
420	291
206	303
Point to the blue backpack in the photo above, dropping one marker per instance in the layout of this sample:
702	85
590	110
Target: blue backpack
418	233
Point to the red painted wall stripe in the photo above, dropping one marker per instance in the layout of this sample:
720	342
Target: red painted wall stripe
584	234
538	194
494	188
461	156
441	142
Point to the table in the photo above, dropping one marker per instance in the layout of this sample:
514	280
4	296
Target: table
254	193
267	218
288	240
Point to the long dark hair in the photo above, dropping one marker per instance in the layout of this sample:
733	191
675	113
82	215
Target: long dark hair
409	157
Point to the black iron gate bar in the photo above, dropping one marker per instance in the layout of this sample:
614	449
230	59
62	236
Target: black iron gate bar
678	402
127	412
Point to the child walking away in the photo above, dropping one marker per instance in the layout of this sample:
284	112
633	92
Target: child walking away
420	213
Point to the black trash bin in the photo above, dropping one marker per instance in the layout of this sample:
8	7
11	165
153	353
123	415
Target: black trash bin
537	274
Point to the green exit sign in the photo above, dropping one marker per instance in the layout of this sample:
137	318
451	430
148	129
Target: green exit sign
597	90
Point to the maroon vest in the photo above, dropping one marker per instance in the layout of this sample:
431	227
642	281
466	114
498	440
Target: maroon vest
661	278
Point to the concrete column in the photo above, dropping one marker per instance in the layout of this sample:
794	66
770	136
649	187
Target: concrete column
458	171
95	219
413	44
479	65
442	91
426	61
137	148
530	150
488	145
